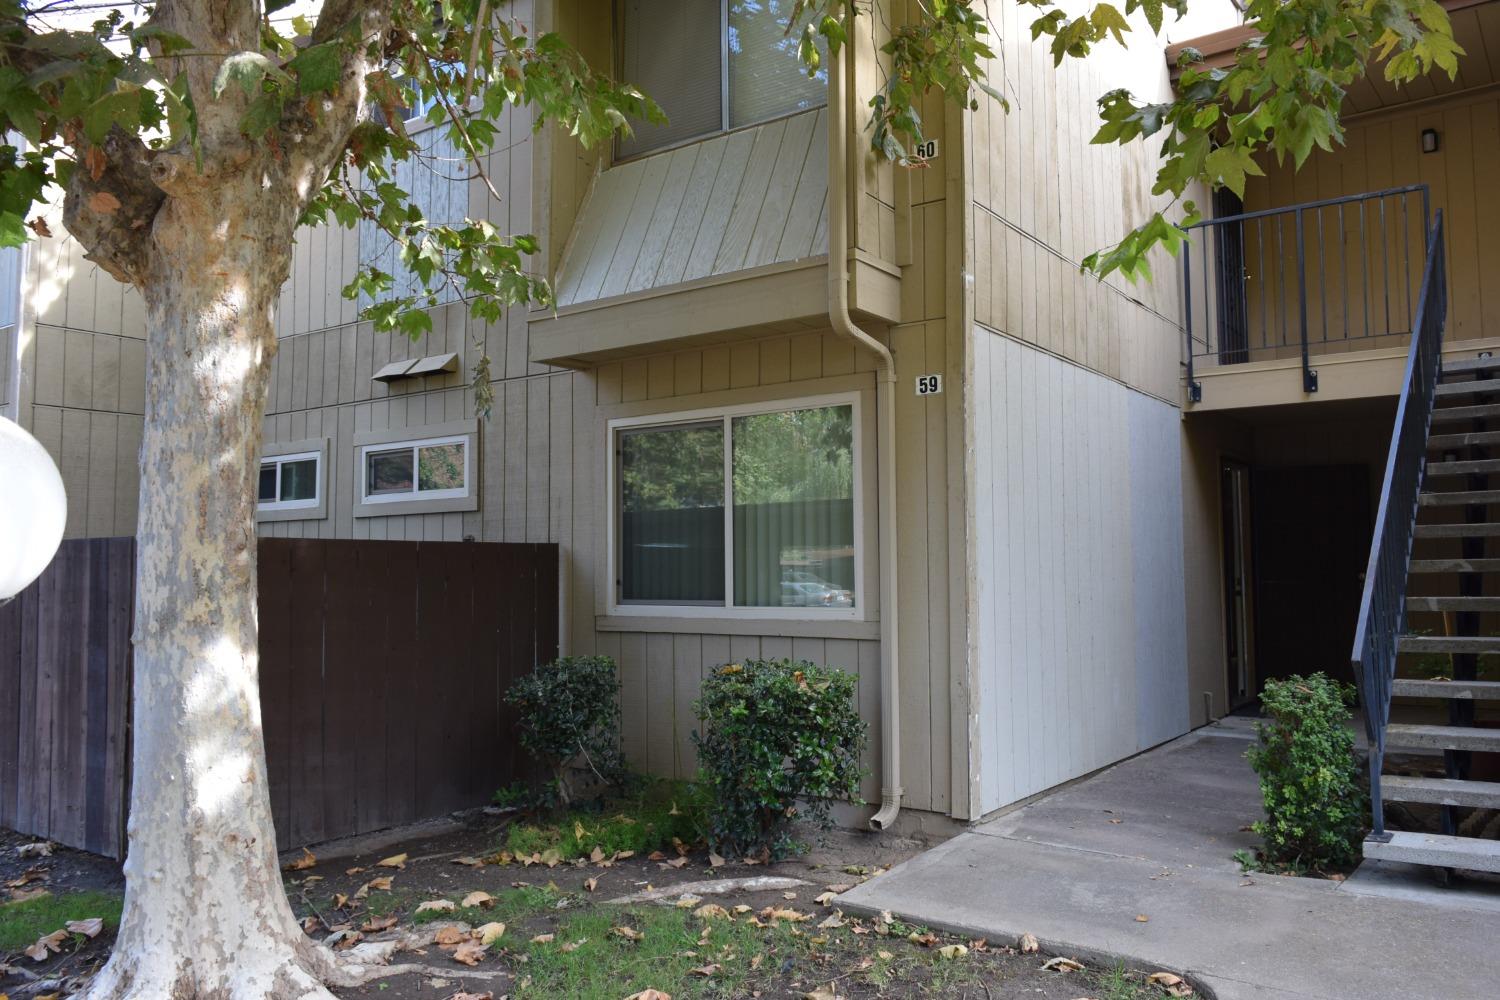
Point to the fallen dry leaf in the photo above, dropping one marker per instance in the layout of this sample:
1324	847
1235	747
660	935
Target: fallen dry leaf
466	860
1164	979
88	928
953	951
832	922
715	860
826	899
1027	945
1141	918
38	849
688	902
550	857
542	939
784	913
589	885
345	939
821	993
353	871
36	873
1060	964
340	901
461	995
394	861
374	924
469	953
307	860
628	933
440	905
374	883
46	945
597	855
741	909
572	946
491	932
310	924
925	940
447	937
706	971
711	911
478	898
649	994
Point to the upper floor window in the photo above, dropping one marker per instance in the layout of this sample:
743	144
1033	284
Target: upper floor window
713	65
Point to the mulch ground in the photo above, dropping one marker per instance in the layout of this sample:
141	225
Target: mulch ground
564	938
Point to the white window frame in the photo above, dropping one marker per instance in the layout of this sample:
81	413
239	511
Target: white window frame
417	494
728	610
279	461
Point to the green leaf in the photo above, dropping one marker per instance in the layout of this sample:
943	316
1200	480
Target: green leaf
318	68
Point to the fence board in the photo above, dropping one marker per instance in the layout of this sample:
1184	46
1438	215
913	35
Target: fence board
382	671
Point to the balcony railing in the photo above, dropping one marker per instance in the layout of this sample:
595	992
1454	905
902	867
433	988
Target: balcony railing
1323	276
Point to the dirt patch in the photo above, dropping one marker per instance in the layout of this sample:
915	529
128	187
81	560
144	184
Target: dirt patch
39	893
564	938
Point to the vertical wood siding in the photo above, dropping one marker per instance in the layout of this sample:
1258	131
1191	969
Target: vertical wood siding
1045	197
1079	609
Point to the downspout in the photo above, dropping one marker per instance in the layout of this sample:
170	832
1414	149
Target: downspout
885	439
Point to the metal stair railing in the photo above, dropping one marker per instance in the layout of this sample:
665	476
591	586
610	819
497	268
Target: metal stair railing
1382	610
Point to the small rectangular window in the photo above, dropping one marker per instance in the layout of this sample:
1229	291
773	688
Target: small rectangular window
289	482
417	470
749	510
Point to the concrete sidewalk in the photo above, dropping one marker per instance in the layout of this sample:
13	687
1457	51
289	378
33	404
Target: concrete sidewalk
1153	837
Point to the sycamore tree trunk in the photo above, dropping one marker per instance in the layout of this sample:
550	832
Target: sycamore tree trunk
206	236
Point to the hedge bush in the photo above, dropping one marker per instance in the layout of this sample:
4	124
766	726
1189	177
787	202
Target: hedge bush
570	720
1315	805
779	737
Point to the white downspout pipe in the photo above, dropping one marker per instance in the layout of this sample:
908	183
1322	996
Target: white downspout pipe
885	439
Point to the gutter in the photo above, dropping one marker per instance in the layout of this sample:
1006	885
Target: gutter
885	438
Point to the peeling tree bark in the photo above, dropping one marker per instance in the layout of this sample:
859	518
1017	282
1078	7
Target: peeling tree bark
209	247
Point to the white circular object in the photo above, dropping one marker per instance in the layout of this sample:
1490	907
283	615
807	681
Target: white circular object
33	509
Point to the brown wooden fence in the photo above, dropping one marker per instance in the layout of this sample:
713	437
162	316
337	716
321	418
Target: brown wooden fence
382	670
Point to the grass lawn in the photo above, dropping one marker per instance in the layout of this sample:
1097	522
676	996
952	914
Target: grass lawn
21	923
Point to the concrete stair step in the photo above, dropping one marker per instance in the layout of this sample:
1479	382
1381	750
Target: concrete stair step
1489	530
1477	387
1448	414
1454	566
1453	604
1448	644
1440	791
1476	467
1458	498
1437	851
1442	737
1470	439
1421	687
1468	366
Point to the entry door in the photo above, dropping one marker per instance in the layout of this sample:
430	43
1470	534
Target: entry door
1229	280
1239	654
1310	543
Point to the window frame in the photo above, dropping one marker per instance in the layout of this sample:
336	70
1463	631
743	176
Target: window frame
416	494
729	610
725	128
281	452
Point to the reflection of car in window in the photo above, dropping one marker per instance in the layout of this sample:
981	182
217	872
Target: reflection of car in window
813	593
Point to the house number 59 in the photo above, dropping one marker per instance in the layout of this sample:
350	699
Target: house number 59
929	385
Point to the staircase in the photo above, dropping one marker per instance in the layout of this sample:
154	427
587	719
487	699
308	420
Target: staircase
1437	517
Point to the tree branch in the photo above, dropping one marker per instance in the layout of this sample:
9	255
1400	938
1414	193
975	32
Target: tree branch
111	202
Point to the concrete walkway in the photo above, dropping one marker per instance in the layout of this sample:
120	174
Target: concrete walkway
1153	837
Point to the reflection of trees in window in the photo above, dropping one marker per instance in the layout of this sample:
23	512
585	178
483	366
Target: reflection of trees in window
674	468
794	455
441	467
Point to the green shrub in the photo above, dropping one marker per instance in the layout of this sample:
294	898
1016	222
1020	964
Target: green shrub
644	822
1315	805
570	718
777	735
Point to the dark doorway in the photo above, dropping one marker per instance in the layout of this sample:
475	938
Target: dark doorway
1311	528
1229	280
1239	616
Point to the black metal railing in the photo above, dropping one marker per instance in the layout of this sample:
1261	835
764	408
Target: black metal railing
1382	609
1293	281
